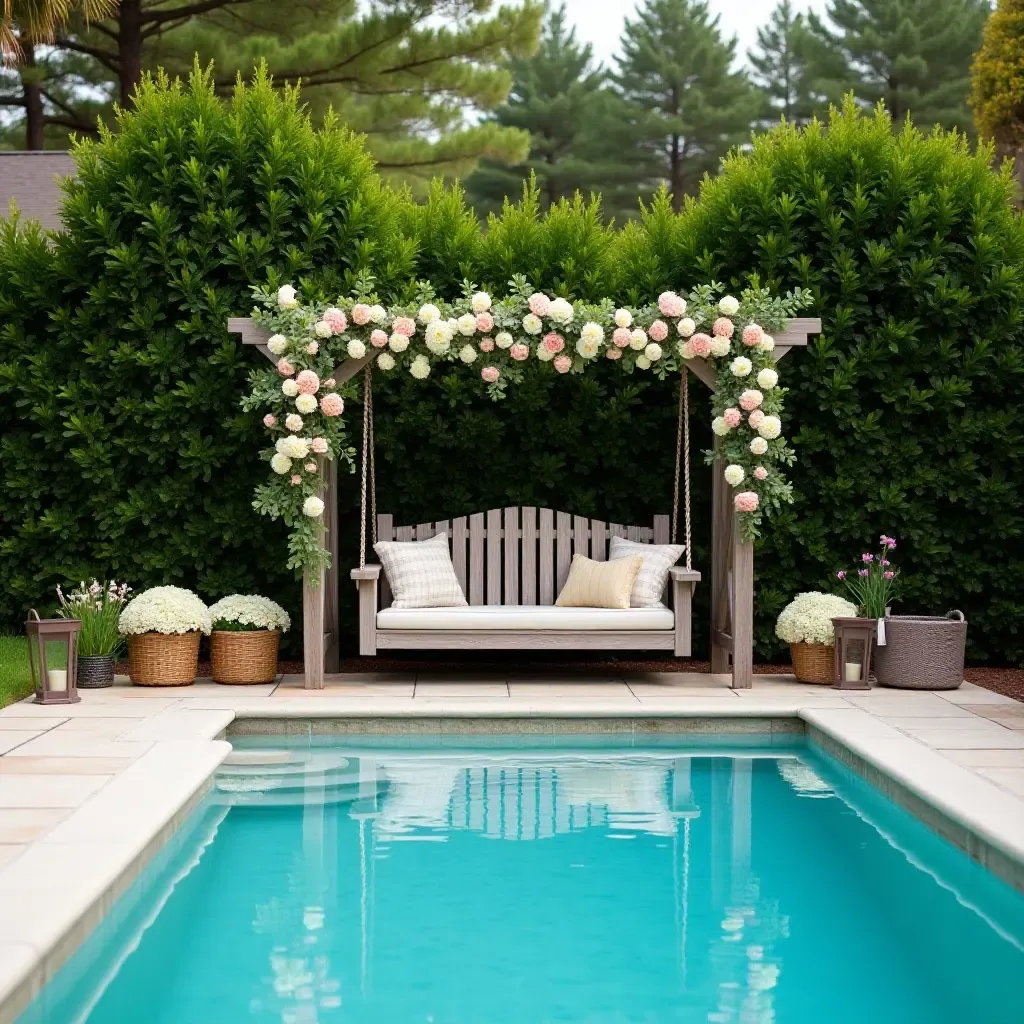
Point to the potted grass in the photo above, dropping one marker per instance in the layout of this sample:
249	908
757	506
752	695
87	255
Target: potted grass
98	607
246	631
163	626
806	625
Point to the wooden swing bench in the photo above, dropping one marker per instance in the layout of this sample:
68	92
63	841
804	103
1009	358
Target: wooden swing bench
511	563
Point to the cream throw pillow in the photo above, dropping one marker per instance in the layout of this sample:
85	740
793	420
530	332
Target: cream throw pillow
420	572
599	584
653	577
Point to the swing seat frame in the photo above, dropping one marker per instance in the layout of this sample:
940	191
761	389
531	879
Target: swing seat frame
520	557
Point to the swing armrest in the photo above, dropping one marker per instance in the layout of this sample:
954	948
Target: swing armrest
369	572
683	582
366	583
680	574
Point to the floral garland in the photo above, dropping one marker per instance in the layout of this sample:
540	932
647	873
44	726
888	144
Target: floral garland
305	417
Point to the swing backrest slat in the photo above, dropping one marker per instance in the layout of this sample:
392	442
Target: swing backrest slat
581	536
598	541
563	548
459	550
492	564
511	555
528	563
547	557
476	558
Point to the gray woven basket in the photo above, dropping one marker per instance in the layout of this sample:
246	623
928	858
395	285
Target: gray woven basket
922	652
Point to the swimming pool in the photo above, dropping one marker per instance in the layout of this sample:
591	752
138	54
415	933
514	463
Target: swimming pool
399	879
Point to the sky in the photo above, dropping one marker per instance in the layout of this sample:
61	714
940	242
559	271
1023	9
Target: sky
599	22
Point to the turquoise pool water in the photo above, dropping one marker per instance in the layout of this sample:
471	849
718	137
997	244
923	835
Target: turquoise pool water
505	882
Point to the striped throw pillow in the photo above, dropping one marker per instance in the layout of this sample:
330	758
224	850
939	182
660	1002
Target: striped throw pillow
420	572
649	587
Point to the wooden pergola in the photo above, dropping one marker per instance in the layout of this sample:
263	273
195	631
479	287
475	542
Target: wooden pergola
732	558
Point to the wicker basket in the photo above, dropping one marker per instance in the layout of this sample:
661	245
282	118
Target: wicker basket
922	652
163	659
813	663
244	657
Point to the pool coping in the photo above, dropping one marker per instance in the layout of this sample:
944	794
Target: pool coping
54	895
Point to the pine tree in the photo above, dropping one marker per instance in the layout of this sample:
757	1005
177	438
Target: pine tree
780	64
691	107
997	78
564	101
912	55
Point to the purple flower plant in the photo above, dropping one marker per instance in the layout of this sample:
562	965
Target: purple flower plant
875	584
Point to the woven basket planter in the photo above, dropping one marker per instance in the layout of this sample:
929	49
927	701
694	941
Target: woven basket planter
95	671
813	663
922	652
163	659
245	656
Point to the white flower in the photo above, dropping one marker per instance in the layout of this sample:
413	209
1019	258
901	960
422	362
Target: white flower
397	343
759	446
734	475
293	422
592	333
728	306
767	343
322	329
378	314
638	339
467	354
428	313
770	427
290	388
587	347
280	463
686	327
386	361
653	352
720	346
305	404
768	378
503	339
312	348
480	303
164	610
355	349
250	610
438	337
544	355
720	427
292	446
623	318
560	311
807	619
467	324
312	507
685	349
420	367
532	324
286	297
278	344
643	362
741	366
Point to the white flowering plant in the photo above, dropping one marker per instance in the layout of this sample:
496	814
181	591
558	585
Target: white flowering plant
496	338
248	612
807	619
165	610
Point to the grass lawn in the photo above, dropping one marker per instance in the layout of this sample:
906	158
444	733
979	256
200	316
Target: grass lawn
15	680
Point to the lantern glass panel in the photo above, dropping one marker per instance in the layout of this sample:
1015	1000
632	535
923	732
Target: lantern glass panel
56	655
33	660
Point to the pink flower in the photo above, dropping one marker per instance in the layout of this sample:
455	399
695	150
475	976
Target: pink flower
756	418
723	327
700	345
751	399
621	337
490	374
332	405
313	347
379	338
670	305
746	501
554	342
284	367
361	313
295	480
614	353
732	416
519	352
309	382
884	561
270	420
330	382
760	472
484	321
841	575
335	319
867	558
862	572
486	344
563	364
404	325
310	467
658	330
539	303
319	445
889	542
752	335
888	574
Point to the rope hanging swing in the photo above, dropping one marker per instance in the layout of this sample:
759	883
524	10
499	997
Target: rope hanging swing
368	484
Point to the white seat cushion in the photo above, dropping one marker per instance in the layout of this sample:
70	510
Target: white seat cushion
497	616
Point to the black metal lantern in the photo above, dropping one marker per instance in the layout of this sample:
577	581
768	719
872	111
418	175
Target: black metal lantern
53	658
854	641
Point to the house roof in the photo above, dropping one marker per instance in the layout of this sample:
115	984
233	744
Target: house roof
31	178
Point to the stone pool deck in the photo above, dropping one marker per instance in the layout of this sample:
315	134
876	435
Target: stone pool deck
89	791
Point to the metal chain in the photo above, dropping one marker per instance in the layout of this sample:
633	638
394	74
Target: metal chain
683	456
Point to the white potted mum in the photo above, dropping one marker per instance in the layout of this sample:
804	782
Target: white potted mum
244	642
163	626
806	625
